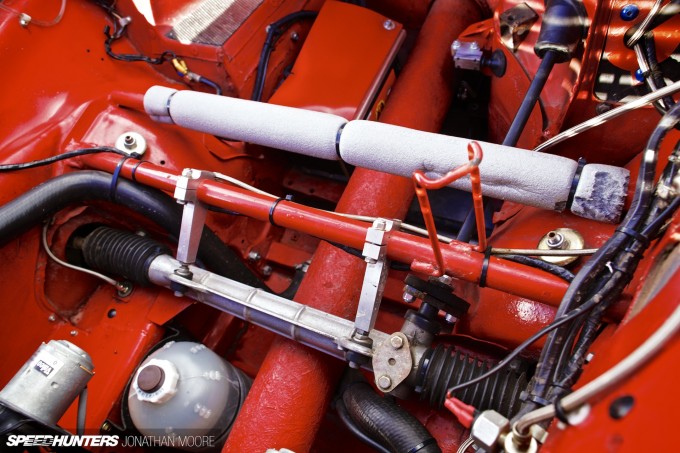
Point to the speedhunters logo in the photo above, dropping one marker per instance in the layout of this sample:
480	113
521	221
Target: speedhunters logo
29	440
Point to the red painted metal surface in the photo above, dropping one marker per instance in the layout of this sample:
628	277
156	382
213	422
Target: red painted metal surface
284	399
62	92
461	260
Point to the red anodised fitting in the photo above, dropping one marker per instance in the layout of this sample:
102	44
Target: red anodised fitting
422	183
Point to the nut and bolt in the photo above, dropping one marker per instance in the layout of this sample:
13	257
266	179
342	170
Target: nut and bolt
397	342
384	382
555	240
106	427
445	279
389	25
129	142
24	19
74	333
253	256
449	318
267	270
294	36
52	317
408	298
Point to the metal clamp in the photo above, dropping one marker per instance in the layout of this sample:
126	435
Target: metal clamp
193	218
377	265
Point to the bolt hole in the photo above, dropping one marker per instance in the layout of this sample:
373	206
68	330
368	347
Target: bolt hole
162	162
552	234
392	362
621	406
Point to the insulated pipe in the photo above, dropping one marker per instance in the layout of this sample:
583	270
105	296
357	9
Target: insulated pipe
534	179
293	388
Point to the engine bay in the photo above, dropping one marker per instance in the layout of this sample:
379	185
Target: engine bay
322	225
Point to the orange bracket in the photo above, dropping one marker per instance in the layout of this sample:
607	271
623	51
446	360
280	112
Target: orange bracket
422	183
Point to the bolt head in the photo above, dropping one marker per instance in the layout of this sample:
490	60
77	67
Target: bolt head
384	382
267	270
294	36
254	256
74	333
474	45
397	342
389	25
408	298
456	45
52	317
629	12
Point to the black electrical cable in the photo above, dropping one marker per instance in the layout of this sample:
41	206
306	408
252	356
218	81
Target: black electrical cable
59	157
211	84
654	74
540	264
590	273
274	31
652	229
354	429
526	343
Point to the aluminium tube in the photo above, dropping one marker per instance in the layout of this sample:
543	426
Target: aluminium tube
295	321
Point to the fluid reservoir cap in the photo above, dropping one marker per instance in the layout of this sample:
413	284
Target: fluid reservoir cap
151	378
156	382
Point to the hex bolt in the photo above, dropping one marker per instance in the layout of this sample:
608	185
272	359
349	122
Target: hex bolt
408	298
555	240
267	270
380	225
389	25
397	342
253	256
384	382
449	318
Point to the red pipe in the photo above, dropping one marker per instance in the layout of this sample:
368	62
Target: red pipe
460	259
292	390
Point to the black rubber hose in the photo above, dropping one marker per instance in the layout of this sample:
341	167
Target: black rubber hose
386	422
354	429
530	98
32	207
